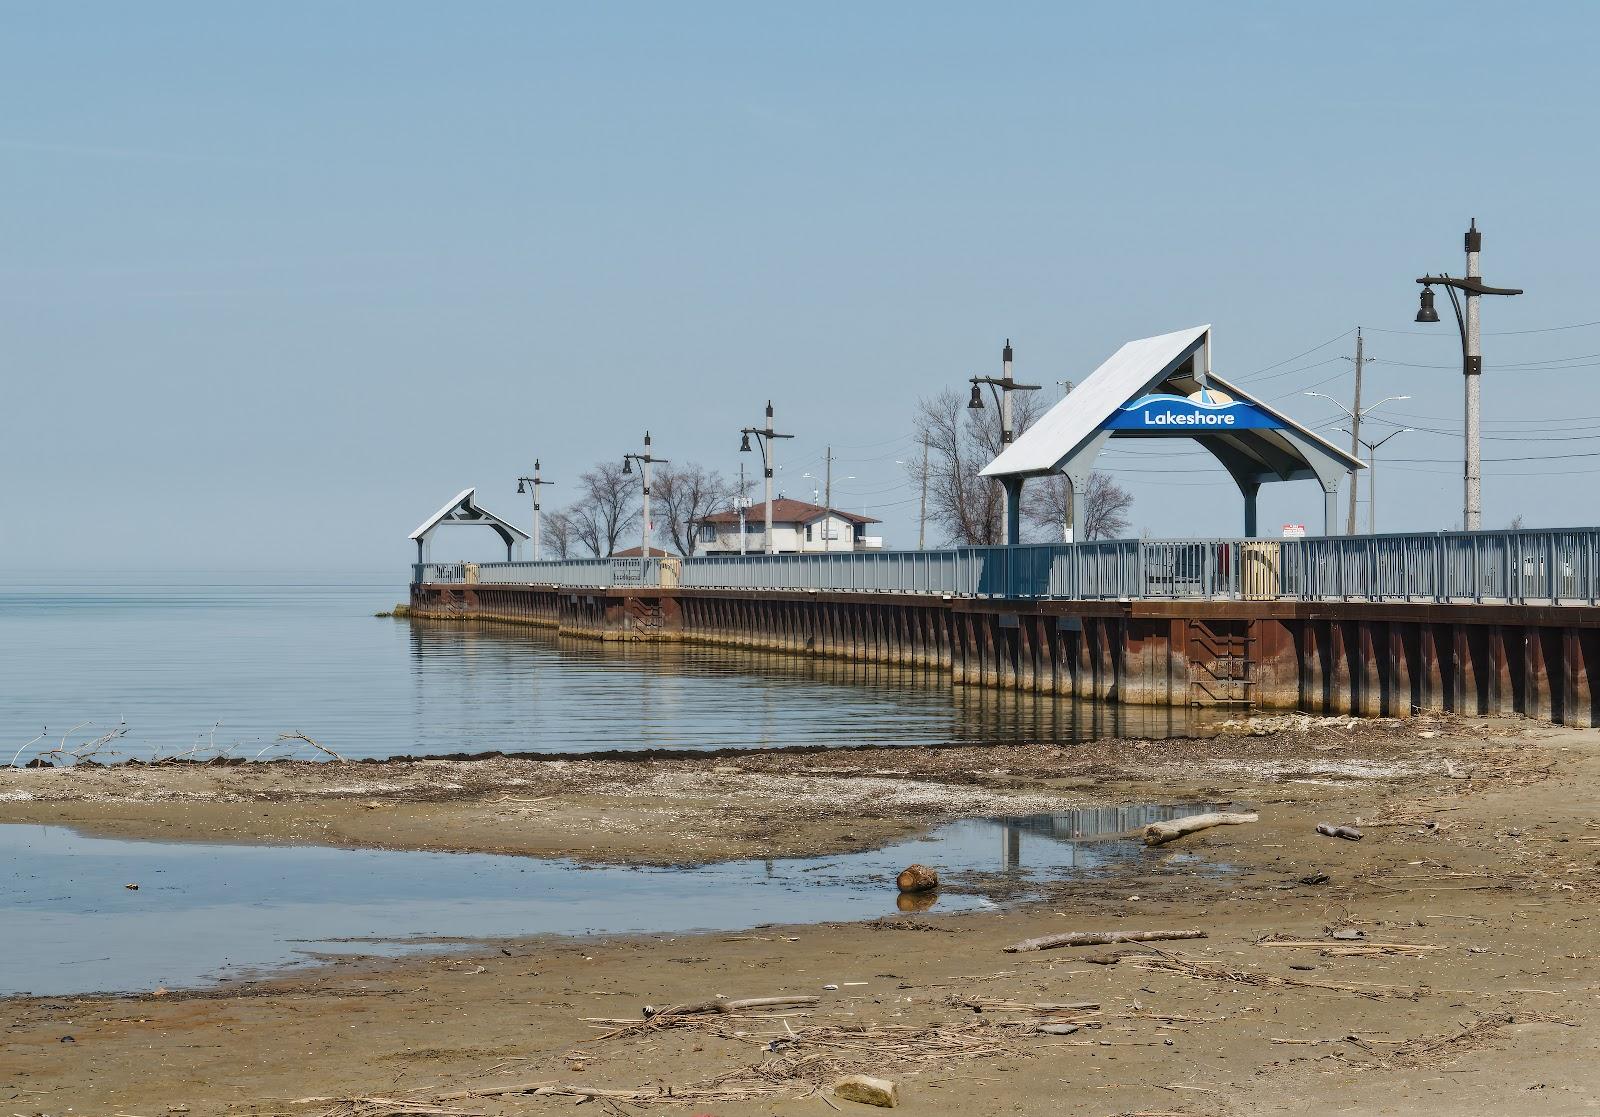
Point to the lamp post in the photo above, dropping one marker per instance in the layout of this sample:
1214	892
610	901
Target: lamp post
645	460
1002	387
764	435
1357	415
1471	363
1372	473
531	484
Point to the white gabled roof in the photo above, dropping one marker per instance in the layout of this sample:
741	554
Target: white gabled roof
1138	367
465	509
1078	417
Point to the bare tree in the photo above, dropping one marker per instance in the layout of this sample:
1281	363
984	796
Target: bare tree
1048	505
965	507
606	509
560	534
687	494
1105	511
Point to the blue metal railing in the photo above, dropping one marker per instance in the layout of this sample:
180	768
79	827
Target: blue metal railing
1516	567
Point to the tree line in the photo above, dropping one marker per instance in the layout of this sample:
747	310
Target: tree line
963	508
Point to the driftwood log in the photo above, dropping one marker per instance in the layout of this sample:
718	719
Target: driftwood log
1348	833
917	878
1097	938
1160	833
701	1008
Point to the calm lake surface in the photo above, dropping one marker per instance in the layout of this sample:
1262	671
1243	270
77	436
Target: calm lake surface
188	659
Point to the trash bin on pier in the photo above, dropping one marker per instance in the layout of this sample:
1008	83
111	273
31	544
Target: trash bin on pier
1258	569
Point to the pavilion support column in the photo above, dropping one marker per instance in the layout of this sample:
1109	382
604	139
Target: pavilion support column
1250	489
1013	487
1330	507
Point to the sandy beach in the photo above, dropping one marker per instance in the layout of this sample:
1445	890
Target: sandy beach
1445	963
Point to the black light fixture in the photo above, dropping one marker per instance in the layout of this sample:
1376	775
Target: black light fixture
744	443
1426	312
520	487
627	465
976	402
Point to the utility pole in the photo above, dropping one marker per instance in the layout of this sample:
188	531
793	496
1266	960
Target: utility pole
1471	364
527	484
765	436
1355	433
922	513
827	499
645	460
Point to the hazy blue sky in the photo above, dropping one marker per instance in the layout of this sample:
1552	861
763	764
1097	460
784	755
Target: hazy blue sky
278	279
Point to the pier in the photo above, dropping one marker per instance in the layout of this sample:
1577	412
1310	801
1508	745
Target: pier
1473	623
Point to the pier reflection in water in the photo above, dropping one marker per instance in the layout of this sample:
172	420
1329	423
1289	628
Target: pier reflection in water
205	912
528	689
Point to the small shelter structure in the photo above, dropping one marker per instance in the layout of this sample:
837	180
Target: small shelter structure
1163	387
464	509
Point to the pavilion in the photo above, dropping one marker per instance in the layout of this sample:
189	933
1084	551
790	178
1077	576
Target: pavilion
1163	387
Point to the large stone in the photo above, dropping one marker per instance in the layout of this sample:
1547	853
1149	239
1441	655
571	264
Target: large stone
867	1090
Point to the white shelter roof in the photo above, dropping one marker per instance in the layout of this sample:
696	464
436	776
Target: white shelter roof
1177	362
464	509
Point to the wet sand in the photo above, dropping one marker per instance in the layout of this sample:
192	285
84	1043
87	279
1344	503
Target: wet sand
1480	841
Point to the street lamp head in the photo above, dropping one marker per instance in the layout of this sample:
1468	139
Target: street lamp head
627	464
520	487
976	402
744	442
1426	312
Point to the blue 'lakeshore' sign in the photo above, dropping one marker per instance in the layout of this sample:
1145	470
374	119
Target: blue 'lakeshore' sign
1169	414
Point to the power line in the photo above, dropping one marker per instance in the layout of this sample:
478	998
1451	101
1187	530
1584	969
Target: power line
1489	333
1297	356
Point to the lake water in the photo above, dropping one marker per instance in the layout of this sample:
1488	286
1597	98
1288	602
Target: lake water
197	658
205	913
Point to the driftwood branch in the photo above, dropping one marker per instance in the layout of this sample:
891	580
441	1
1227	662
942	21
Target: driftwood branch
703	1007
1160	833
298	736
1097	938
1348	833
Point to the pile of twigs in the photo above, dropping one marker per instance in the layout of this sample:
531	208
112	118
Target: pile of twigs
1208	970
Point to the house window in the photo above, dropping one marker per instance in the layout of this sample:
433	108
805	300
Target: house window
708	533
808	533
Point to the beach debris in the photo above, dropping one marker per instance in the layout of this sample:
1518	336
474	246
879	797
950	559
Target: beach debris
1349	948
1315	878
1206	969
703	1007
830	988
299	736
917	878
1048	1029
132	886
1046	1008
867	1090
1097	938
1160	833
1348	833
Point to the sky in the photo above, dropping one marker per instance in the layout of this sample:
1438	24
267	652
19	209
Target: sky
276	281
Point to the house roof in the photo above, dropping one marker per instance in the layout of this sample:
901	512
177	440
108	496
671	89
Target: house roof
638	552
1174	363
787	511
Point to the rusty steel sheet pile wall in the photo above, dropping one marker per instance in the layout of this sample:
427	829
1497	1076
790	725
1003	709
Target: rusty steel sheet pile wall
1365	659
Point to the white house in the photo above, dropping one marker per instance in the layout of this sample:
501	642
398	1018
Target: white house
797	527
